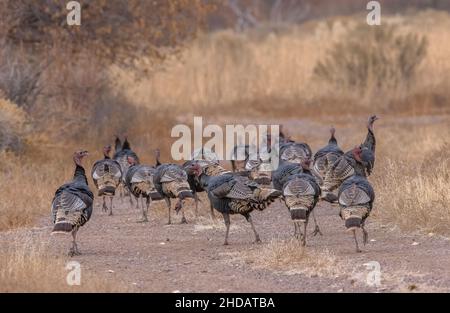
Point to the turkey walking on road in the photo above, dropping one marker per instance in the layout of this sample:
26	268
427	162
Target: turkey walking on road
356	197
106	175
171	181
139	181
72	204
232	194
301	194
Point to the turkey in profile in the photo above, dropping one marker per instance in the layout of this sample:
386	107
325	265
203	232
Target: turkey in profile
356	197
370	141
139	181
106	174
233	194
171	181
301	194
72	204
211	167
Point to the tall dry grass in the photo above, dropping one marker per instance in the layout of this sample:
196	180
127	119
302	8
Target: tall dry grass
28	266
412	177
273	70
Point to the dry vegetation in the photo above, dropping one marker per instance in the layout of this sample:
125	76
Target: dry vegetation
291	258
83	103
28	266
419	171
272	70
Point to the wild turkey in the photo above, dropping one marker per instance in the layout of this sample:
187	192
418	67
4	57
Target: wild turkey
360	159
139	181
295	152
72	204
232	194
370	142
356	197
121	156
171	181
212	168
106	175
326	156
301	194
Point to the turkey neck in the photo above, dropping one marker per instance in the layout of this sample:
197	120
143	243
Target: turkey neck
332	140
79	172
106	156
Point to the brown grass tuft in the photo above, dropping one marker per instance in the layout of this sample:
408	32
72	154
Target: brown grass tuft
290	257
29	267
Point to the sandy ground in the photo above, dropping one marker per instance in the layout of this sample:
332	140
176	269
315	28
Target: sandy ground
154	257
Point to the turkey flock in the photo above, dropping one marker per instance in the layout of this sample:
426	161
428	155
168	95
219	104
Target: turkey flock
301	180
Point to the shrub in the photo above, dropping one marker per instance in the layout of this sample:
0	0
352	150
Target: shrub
373	59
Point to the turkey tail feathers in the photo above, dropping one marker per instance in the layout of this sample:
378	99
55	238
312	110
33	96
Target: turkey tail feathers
62	227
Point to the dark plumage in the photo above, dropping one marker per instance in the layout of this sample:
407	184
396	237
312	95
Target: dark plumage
231	194
171	181
356	160
139	181
301	194
106	174
72	203
326	156
212	168
122	155
356	197
295	152
283	172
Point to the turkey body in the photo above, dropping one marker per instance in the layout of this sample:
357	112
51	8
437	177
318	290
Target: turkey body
72	206
212	169
295	152
171	181
282	174
356	197
231	194
325	157
301	194
106	175
344	167
139	181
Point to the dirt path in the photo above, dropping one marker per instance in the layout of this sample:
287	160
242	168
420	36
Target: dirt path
154	257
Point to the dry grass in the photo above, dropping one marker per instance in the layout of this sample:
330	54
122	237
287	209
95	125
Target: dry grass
291	258
273	71
413	194
29	267
27	188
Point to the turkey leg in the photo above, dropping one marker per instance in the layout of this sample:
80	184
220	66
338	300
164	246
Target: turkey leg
74	250
249	219
226	219
168	206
